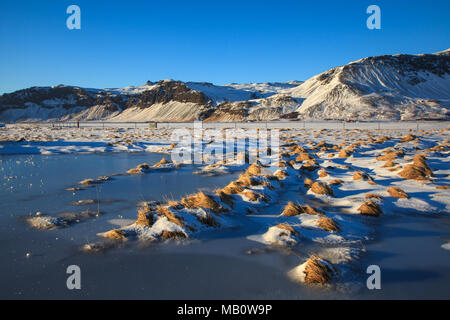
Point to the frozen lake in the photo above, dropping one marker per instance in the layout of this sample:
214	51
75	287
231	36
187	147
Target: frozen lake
408	247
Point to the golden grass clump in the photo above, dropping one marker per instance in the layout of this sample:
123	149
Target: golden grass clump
244	180
391	156
322	188
254	196
382	139
309	166
115	234
163	211
344	153
87	181
287	227
304	156
323	173
254	169
443	187
172	235
291	210
139	169
414	172
201	200
370	208
327	224
297	149
144	219
312	211
420	161
360	175
232	188
397	193
389	164
280	174
407	138
316	271
308	183
336	182
161	163
373	196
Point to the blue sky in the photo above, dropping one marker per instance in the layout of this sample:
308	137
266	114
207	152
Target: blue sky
129	42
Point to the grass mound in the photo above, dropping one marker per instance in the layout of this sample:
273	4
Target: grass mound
317	271
287	227
172	235
397	193
162	162
139	169
291	210
370	208
115	234
164	211
327	224
143	218
201	200
321	188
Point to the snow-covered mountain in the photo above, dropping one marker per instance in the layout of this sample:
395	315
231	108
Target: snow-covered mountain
403	87
385	87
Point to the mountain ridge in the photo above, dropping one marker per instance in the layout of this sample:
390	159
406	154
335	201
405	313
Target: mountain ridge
387	87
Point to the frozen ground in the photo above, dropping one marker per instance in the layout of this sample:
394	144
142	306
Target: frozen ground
62	206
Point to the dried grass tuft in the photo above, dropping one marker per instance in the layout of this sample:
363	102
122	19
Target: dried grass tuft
321	188
139	169
164	211
254	169
345	153
232	188
373	196
201	200
336	182
323	173
287	227
317	271
143	218
115	234
280	174
304	156
397	193
162	162
254	196
413	172
389	164
327	224
308	183
172	235
291	210
407	138
370	208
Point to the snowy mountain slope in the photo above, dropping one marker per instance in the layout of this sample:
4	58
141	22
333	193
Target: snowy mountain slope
385	87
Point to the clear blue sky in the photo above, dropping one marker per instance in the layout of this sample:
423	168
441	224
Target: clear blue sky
129	42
